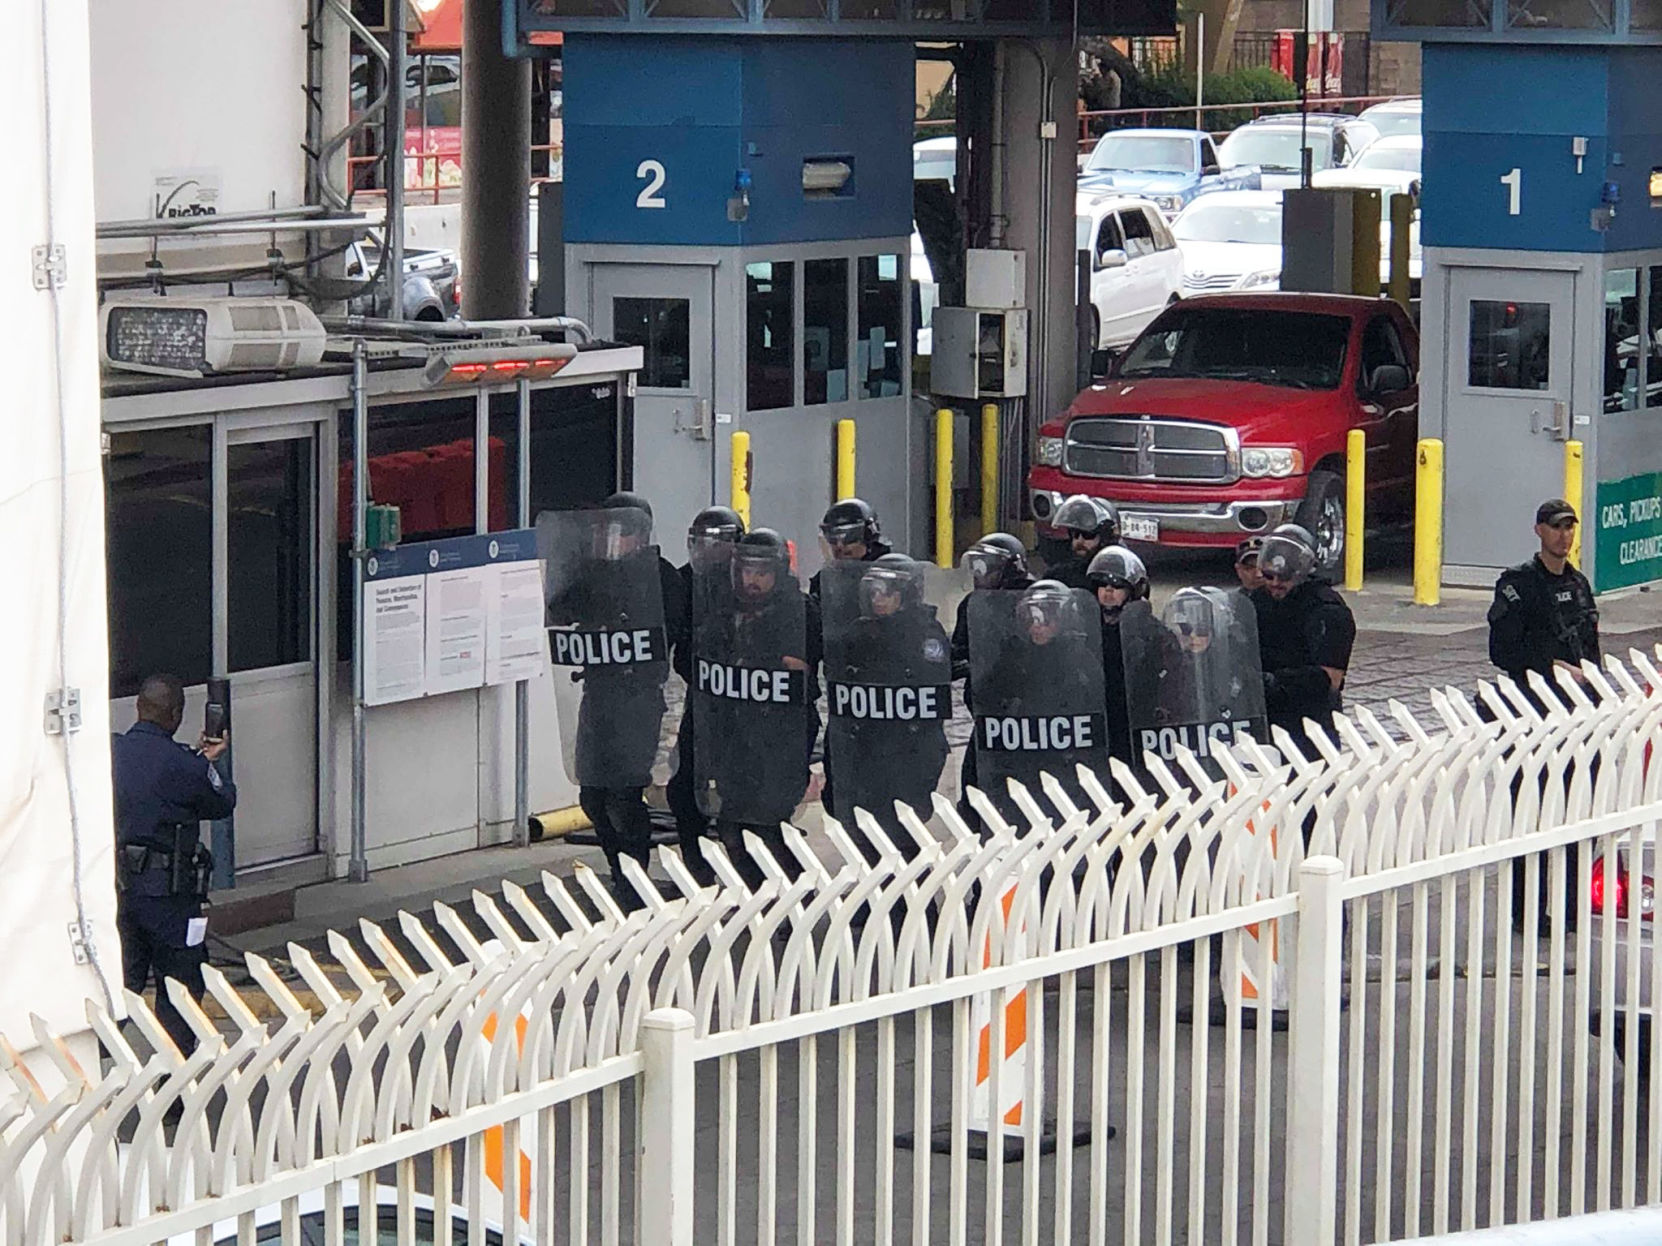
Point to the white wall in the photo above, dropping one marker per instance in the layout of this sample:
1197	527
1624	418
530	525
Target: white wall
51	506
210	85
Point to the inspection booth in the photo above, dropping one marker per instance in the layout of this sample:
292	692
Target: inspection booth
1542	308
742	211
229	530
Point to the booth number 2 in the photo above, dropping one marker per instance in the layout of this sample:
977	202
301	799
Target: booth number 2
652	173
1513	182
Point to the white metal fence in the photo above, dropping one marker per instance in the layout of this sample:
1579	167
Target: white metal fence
812	1062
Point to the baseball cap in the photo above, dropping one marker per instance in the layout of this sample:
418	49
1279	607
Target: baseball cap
1554	509
1249	549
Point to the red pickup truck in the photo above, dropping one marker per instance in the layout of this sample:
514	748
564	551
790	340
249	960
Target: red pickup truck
1229	415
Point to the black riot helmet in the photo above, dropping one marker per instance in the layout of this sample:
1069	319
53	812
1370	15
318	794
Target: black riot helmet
761	560
1114	566
1289	555
894	583
1046	608
711	535
994	561
626	525
1094	517
625	500
850	522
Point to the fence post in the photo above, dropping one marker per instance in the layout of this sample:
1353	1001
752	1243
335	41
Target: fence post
1313	1057
665	1172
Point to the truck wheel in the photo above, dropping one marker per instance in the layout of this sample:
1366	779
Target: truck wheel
1323	516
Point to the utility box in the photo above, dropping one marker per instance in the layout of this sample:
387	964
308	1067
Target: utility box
1330	240
980	352
995	279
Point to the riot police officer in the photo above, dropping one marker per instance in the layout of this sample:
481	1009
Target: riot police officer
710	540
995	563
1305	635
849	532
755	652
608	583
163	792
1543	614
1039	694
1119	580
889	674
1091	523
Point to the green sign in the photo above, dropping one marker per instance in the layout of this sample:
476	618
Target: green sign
1629	531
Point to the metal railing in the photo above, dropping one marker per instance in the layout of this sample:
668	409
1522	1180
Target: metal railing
726	1065
433	172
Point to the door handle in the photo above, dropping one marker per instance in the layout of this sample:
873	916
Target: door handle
1560	421
699	427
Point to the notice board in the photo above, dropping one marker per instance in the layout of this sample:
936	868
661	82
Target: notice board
446	616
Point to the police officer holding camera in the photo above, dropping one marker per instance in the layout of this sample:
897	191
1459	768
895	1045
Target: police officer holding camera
163	792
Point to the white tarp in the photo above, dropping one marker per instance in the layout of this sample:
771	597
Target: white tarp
53	623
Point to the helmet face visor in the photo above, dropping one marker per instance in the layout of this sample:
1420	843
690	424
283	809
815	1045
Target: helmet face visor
986	568
1285	561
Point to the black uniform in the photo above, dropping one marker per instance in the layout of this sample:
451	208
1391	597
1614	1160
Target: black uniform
1073	571
1539	618
897	759
163	792
617	728
875	549
682	792
968	776
1307	630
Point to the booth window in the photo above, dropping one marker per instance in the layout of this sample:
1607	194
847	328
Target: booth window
824	331
877	352
1470	14
159	532
1621	339
268	488
770	382
1559	15
574	449
660	327
1653	339
1511	345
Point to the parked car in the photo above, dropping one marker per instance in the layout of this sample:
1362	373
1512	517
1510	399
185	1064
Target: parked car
1170	167
1394	117
1231	241
1272	145
935	158
430	285
1136	270
1229	415
1391	164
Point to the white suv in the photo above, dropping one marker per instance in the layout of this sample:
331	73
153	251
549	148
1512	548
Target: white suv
1136	269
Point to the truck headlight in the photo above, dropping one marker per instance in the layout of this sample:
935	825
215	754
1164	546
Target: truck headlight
1275	461
1049	453
1168	203
1268	279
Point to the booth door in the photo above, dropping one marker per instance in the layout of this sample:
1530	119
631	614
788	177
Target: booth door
666	310
1511	347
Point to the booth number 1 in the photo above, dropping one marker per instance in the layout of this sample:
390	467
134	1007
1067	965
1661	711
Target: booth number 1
1513	182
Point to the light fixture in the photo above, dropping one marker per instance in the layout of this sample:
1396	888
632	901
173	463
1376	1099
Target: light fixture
476	366
191	337
826	176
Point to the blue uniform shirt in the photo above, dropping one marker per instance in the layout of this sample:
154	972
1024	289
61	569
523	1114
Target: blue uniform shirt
159	783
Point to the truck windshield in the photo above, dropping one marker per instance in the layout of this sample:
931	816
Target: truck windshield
1300	350
1144	152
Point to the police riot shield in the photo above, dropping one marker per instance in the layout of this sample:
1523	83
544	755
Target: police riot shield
750	681
606	634
1192	675
1036	665
888	687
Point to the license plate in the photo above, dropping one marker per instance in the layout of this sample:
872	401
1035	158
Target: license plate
1140	527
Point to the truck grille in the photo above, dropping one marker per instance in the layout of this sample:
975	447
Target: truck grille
1144	448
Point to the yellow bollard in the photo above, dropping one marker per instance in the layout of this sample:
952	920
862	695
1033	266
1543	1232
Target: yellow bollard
845	459
1572	493
1428	523
1402	222
740	476
943	488
1356	469
989	468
